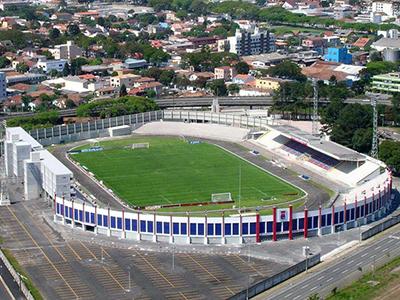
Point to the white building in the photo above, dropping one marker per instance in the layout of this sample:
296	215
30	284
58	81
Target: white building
391	9
66	51
251	42
48	65
3	86
40	171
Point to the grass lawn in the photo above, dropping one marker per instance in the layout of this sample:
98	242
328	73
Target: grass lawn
174	171
384	283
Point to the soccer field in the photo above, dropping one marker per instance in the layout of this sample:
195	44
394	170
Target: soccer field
174	171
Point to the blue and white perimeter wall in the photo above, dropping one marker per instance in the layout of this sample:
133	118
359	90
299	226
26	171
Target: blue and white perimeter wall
282	224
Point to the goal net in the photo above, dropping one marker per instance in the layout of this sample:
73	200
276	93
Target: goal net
140	146
221	197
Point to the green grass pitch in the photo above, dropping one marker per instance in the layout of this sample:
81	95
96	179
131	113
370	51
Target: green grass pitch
173	171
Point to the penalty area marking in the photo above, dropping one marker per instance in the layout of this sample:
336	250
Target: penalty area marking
165	198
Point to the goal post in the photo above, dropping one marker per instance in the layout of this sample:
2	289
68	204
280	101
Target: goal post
140	146
221	197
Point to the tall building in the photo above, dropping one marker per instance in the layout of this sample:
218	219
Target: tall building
3	86
66	51
251	42
338	55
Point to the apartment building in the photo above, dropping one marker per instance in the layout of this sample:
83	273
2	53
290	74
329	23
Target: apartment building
251	42
66	51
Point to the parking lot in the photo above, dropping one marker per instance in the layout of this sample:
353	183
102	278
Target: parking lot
68	269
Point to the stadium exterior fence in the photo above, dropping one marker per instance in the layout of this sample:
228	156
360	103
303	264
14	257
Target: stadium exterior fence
282	224
270	282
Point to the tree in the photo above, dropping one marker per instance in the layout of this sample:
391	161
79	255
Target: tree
167	77
389	152
396	108
67	70
53	73
218	87
26	100
233	89
22	67
69	104
122	90
4	62
351	118
362	140
288	70
73	29
242	67
54	34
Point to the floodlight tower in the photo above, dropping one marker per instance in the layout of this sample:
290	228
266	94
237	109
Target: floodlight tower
374	149
315	130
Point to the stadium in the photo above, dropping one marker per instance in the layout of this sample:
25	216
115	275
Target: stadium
197	177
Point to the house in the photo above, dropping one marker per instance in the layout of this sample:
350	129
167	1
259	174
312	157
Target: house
126	79
362	43
323	70
242	79
226	73
201	75
269	83
143	89
386	43
264	60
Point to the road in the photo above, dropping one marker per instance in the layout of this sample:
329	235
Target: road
326	277
8	287
204	101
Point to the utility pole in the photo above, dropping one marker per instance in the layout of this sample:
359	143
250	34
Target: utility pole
315	130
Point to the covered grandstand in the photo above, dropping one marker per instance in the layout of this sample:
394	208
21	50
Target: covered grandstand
321	155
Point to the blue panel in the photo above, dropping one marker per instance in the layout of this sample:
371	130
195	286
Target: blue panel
134	225
183	228
278	226
166	227
329	219
67	211
113	222
80	215
357	212
87	218
336	219
62	209
218	230
210	229
323	221
105	221
352	214
58	208
362	211
99	220
245	228
228	229
150	226
252	228
309	222
285	226
92	218
159	227
127	224
175	228
119	223
235	229
294	224
301	223
193	229
142	226
269	227
75	214
315	222
70	212
200	229
341	217
347	215
262	227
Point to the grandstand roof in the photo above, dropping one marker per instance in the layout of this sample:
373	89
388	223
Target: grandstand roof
329	148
